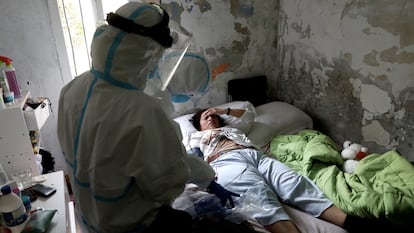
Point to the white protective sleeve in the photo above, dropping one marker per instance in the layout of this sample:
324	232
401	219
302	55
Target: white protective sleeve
201	172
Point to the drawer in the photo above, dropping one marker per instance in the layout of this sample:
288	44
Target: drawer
36	118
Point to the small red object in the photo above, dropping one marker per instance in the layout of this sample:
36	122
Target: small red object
360	155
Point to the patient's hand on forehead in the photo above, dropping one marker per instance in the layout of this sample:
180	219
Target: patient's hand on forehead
210	119
212	111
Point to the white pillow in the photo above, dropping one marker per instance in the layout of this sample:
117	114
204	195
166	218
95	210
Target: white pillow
187	127
275	118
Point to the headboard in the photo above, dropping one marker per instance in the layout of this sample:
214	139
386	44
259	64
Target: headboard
253	89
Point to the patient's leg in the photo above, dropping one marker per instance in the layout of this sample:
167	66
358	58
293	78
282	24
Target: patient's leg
355	224
238	173
284	226
334	215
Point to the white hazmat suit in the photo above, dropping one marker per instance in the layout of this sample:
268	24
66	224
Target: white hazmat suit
124	153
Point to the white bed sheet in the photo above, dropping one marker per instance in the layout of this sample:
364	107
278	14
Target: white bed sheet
305	223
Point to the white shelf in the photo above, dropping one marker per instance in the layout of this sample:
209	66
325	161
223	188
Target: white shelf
16	151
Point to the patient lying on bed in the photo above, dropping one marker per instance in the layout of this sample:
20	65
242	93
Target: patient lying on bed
239	165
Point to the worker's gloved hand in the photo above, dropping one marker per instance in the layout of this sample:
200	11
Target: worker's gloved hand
223	194
196	151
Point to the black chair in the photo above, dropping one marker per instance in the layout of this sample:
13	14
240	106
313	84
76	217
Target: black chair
253	89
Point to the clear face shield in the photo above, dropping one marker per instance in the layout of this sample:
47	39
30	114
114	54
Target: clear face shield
165	68
162	68
166	33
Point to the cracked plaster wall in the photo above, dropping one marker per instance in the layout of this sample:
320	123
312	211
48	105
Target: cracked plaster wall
237	37
350	65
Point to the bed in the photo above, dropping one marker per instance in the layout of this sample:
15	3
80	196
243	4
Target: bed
289	120
381	186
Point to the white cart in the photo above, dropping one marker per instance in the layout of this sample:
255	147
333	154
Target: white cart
16	151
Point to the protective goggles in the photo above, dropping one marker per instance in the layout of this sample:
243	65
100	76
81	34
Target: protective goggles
159	32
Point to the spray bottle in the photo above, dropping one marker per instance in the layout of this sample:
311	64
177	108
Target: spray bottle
8	96
10	73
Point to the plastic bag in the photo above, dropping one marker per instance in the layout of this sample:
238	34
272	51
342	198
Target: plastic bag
39	221
199	203
203	204
252	202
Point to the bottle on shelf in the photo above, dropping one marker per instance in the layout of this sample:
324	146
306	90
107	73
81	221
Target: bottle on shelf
12	209
8	96
11	77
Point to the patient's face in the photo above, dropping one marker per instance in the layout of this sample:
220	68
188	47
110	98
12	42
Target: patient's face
209	121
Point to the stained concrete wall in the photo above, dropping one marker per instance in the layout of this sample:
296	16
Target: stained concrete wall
350	65
237	37
31	34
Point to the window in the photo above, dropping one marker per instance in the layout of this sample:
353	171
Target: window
79	20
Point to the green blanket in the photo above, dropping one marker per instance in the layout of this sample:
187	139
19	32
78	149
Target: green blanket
381	186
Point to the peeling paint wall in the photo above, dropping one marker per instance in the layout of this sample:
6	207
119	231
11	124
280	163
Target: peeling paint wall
238	38
32	36
350	65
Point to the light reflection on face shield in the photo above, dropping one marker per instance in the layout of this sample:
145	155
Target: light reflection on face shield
168	64
171	68
163	72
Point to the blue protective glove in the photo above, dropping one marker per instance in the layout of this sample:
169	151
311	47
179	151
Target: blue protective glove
223	194
196	151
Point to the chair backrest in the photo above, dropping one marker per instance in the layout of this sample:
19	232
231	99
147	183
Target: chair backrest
253	89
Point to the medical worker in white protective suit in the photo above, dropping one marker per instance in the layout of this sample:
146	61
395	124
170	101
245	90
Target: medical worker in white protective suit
124	154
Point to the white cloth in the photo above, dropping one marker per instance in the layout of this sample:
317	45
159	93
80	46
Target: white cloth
207	140
123	152
245	121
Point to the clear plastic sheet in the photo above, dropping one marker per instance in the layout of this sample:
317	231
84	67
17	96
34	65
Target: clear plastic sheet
200	204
